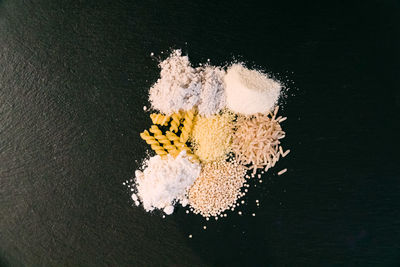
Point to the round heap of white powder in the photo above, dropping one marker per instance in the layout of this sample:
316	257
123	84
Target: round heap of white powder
164	182
212	95
249	91
178	87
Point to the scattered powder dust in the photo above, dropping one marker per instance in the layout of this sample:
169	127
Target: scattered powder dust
218	188
212	95
211	136
179	86
249	91
256	140
165	182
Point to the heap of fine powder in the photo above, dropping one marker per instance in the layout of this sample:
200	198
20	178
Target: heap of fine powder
166	181
212	95
181	87
178	87
249	91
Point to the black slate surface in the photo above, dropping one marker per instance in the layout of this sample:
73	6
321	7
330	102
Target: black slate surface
74	77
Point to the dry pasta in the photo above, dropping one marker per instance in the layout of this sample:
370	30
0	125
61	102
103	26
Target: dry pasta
175	122
155	145
165	142
187	126
159	119
181	146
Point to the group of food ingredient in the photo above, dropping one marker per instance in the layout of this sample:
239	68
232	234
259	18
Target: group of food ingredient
212	129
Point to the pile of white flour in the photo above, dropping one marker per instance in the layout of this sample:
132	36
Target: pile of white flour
178	87
181	87
165	182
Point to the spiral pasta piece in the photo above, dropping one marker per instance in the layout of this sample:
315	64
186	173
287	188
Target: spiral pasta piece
166	144
175	122
155	145
159	119
181	146
187	126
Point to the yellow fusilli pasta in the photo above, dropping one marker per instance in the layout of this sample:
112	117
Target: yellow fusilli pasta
175	122
159	119
181	146
187	126
155	145
164	141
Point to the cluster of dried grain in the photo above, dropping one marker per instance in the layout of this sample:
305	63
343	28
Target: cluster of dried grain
218	188
256	141
211	136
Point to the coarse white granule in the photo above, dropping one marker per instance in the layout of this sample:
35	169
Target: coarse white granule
178	87
165	182
249	91
212	95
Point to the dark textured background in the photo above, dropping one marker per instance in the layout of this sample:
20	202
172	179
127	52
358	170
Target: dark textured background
74	77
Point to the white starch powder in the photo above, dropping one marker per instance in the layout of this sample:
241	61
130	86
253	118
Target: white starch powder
249	91
164	182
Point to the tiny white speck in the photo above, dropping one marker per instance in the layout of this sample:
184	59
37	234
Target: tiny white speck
204	227
151	54
124	183
240	213
144	108
190	236
187	211
253	214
